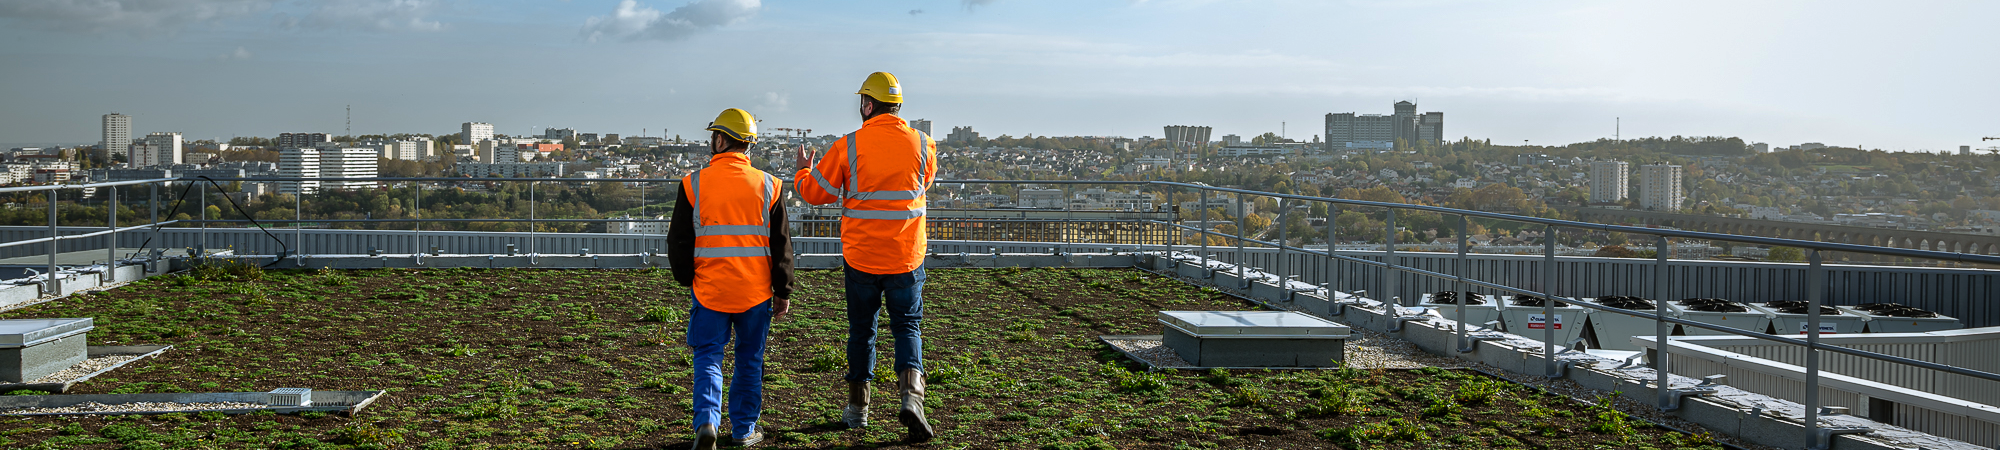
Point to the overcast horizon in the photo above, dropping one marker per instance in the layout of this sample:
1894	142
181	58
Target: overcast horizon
1876	75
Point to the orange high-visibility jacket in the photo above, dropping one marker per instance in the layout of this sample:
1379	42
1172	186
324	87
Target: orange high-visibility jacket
880	188
732	242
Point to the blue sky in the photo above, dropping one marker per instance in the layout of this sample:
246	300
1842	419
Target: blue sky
1877	74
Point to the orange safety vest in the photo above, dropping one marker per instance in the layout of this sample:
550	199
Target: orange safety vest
732	233
881	193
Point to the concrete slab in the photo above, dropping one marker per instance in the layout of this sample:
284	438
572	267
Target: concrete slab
21	364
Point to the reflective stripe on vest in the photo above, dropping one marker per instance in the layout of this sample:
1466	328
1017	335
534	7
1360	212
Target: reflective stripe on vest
853	156
763	228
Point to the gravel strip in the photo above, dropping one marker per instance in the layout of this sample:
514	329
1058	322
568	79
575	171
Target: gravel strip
85	368
1152	351
94	407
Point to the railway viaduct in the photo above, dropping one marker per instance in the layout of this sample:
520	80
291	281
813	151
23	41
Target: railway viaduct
1880	237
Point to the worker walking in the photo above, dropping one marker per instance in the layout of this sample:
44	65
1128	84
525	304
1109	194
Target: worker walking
879	174
728	243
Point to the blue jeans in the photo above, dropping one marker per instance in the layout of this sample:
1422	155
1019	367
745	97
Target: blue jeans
708	331
866	293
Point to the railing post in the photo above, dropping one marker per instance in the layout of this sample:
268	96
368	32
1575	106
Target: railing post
1464	293
1242	258
55	246
153	208
203	246
418	235
1662	362
111	246
1388	259
532	248
1549	319
1202	202
1332	262
1280	266
1815	289
298	222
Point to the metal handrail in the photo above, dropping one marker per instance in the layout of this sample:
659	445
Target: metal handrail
1332	253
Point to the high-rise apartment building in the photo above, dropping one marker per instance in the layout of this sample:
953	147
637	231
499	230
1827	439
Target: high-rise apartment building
1608	181
298	162
1660	187
302	140
1350	130
158	149
923	125
558	134
1188	136
962	134
117	135
473	132
340	161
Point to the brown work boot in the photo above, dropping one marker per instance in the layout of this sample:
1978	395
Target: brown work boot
912	414
856	412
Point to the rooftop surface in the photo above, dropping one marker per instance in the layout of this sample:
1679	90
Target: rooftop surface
500	358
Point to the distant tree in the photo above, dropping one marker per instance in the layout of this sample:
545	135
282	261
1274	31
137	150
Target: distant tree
1786	254
1615	251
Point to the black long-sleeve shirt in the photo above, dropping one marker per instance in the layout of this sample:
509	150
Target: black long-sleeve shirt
680	247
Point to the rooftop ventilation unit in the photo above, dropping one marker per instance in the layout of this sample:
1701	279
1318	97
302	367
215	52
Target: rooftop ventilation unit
1523	316
1478	311
1614	331
1790	318
1896	318
1722	312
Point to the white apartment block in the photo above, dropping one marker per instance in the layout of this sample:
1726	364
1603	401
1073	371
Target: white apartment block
158	149
1660	187
411	150
510	170
301	162
1609	181
347	162
117	134
472	132
494	151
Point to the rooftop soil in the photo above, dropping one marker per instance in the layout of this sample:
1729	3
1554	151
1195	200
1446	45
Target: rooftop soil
478	358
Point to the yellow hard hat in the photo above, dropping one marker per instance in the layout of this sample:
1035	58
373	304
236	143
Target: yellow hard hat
737	124
883	87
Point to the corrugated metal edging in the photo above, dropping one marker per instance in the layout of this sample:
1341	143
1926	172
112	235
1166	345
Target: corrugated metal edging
1975	355
1978	432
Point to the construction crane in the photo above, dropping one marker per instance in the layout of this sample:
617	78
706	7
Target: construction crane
1984	139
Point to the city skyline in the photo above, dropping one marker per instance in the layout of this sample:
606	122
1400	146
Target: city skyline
1543	73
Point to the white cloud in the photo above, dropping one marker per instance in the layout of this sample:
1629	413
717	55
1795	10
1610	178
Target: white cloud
631	21
382	15
774	102
131	16
969	4
240	54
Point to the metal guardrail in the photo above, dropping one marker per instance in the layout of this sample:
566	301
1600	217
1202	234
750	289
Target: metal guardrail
1667	398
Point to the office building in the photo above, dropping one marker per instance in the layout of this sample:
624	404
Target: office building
1608	181
473	132
158	149
1660	187
1351	130
923	125
302	140
116	137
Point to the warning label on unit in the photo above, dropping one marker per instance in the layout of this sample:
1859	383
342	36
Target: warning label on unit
1538	321
1824	328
